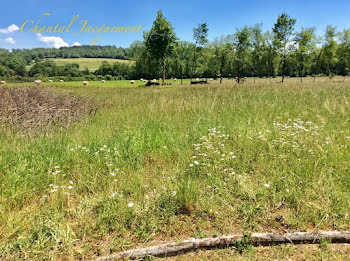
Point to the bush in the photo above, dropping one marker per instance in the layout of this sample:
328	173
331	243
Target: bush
109	77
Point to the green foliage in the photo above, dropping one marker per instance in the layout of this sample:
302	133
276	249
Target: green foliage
160	40
200	34
305	41
329	49
244	244
242	45
283	31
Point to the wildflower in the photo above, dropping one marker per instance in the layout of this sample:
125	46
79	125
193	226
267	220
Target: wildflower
70	187
164	147
71	182
196	162
113	174
131	204
50	185
191	165
174	193
114	194
109	165
267	185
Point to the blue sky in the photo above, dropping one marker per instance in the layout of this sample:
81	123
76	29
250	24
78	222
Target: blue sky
223	17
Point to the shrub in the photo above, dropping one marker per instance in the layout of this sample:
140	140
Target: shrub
109	77
119	77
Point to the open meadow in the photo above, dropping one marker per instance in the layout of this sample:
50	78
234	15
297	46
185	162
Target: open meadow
165	163
91	63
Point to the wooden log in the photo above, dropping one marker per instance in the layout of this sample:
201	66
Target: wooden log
256	239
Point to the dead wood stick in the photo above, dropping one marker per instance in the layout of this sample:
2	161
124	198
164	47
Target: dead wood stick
256	239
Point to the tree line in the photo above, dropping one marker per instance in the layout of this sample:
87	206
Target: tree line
247	52
14	63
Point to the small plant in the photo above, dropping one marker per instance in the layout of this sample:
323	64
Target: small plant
324	243
244	244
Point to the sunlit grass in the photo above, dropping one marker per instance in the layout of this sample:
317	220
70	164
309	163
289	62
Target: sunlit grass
91	63
175	162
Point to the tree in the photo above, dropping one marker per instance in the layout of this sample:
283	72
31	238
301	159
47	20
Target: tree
343	53
305	45
329	49
283	31
200	35
242	46
271	58
160	40
259	47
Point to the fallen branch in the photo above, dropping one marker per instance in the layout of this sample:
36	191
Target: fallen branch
256	239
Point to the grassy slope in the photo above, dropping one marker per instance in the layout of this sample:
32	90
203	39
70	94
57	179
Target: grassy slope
140	149
91	63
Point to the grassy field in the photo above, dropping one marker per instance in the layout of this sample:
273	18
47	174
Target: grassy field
169	163
91	63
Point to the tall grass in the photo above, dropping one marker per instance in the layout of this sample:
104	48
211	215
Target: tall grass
177	161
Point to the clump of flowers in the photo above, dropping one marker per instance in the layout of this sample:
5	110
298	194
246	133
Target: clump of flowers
211	154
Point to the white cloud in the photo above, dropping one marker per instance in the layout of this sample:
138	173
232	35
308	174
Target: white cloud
76	44
52	41
12	28
10	40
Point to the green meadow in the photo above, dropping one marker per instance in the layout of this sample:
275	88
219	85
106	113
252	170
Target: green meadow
167	163
91	63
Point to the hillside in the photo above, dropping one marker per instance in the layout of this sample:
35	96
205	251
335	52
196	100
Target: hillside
91	63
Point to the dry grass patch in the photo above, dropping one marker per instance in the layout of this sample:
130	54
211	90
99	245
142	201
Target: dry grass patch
32	108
